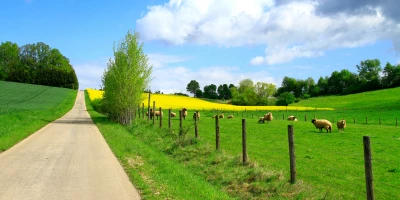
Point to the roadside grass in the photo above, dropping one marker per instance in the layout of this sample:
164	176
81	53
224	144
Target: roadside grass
154	174
25	108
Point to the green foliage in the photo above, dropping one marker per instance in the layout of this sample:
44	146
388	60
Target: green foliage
345	82
193	86
125	79
285	99
249	94
181	94
210	91
198	93
36	64
391	76
25	108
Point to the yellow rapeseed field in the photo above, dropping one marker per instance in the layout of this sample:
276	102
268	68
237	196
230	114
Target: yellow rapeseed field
166	101
94	94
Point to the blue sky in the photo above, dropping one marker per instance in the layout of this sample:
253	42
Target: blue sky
211	41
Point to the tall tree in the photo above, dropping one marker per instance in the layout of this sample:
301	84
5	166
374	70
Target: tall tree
125	79
210	91
369	74
192	86
9	59
245	84
391	75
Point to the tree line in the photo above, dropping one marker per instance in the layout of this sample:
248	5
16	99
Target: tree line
247	93
36	64
370	77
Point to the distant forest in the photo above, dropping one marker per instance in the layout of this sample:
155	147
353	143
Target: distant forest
36	64
370	77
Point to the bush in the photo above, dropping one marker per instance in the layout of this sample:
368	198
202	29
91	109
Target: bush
98	105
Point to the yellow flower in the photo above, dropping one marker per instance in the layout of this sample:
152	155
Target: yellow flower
167	101
94	94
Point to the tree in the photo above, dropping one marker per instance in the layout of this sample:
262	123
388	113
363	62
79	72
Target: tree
264	91
323	85
9	58
125	79
368	71
244	84
198	93
286	98
210	91
391	75
192	86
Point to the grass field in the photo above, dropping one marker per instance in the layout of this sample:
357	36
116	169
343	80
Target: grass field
387	99
329	165
25	108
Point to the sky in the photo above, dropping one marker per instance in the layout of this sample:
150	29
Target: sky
211	41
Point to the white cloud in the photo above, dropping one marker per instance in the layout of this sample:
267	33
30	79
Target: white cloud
289	31
89	74
161	60
257	60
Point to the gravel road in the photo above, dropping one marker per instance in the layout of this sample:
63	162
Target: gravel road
67	159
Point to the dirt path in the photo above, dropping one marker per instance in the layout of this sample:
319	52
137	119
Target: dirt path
67	159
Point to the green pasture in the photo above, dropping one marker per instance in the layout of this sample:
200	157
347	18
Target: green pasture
25	108
332	163
329	165
386	99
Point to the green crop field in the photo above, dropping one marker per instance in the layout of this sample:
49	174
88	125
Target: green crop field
25	108
329	165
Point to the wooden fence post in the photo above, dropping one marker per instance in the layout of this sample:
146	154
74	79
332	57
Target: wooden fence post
148	109
292	155
161	117
138	109
196	129
154	112
244	147
305	117
217	133
180	120
368	168
143	110
169	118
283	116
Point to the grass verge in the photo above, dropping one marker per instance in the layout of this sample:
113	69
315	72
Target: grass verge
26	108
167	164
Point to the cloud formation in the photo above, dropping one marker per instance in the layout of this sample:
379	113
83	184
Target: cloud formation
288	29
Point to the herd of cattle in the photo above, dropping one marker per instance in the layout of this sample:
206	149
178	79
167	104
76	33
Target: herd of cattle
318	123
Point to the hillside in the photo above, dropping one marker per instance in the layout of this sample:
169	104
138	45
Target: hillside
378	98
25	108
